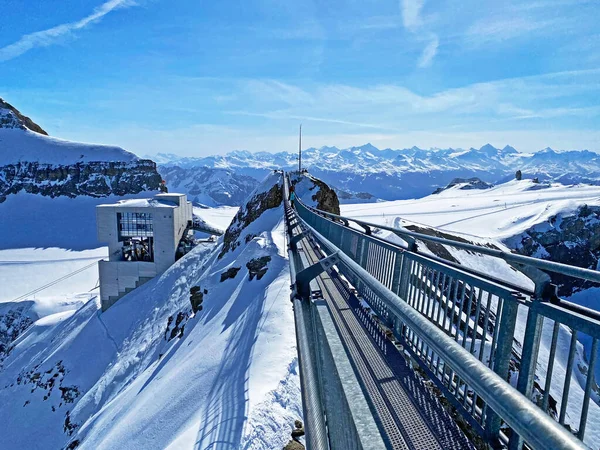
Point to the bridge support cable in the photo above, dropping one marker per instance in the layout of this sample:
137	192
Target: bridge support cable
419	297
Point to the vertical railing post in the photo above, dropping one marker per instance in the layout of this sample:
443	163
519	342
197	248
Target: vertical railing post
531	341
502	354
397	275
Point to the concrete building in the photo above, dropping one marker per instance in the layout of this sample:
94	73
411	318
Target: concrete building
143	236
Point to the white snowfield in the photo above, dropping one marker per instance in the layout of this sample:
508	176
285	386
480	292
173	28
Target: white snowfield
18	145
495	216
219	217
229	381
25	270
500	212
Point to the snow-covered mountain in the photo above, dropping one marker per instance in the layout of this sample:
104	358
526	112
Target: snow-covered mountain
408	173
33	162
149	373
45	182
209	186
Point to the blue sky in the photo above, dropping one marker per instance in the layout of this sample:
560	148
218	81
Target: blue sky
205	77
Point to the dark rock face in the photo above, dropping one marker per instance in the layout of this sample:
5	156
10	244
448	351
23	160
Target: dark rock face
257	267
573	240
326	198
230	273
196	298
94	179
257	205
12	118
297	432
12	324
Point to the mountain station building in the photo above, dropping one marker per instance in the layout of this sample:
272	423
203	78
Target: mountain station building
143	237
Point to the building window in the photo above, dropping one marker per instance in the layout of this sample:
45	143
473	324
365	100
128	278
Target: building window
135	224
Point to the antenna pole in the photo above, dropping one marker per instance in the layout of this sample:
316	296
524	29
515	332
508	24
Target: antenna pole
300	150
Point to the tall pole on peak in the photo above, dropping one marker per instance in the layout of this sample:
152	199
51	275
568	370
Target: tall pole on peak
300	150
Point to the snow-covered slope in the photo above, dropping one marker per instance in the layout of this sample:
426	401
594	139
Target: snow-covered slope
408	173
22	140
149	374
26	145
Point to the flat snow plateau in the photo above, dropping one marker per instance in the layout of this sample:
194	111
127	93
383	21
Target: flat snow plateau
499	212
218	217
24	270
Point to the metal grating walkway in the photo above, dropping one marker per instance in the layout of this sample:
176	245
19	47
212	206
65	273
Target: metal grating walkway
409	416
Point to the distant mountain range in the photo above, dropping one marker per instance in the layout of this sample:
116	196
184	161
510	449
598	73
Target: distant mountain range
398	174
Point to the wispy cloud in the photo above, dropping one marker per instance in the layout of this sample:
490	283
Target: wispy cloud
47	37
411	13
503	29
284	115
393	107
429	52
413	22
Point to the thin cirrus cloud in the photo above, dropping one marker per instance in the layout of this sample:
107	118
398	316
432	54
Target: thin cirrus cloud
413	22
48	37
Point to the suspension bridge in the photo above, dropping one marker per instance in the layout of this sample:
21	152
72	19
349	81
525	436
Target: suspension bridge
403	350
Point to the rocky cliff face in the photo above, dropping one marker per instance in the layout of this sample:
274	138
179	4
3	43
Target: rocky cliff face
572	239
94	179
465	184
267	196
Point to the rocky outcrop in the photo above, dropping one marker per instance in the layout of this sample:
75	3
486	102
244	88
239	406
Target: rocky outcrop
326	198
33	162
95	179
257	205
354	197
14	321
297	433
10	117
315	193
466	184
257	267
230	273
572	239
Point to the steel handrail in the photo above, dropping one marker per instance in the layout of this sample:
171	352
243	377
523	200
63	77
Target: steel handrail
525	418
564	269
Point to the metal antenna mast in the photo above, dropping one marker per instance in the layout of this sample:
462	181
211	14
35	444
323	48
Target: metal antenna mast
300	151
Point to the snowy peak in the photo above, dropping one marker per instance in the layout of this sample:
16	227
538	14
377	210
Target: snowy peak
22	140
509	150
10	117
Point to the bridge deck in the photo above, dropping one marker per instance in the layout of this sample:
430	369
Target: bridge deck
409	416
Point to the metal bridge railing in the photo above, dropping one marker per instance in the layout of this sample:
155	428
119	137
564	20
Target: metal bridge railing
479	316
